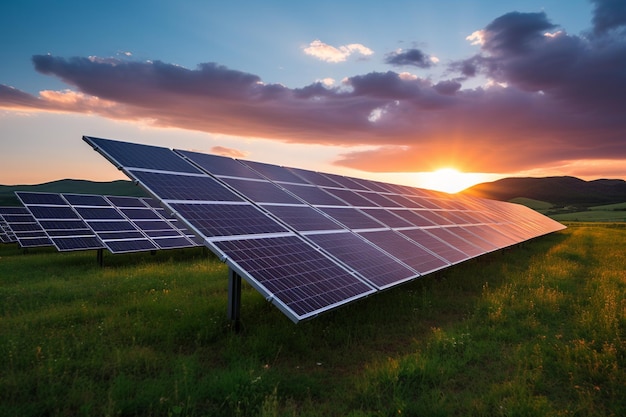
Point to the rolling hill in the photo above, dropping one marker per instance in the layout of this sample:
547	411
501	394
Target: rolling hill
559	191
120	187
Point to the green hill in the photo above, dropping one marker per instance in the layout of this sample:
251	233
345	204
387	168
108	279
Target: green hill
120	187
533	204
559	191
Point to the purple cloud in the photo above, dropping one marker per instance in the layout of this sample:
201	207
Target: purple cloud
608	15
560	98
410	57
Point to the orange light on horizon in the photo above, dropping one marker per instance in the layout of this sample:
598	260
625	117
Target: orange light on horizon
450	180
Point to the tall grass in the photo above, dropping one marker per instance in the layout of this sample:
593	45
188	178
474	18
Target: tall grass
535	330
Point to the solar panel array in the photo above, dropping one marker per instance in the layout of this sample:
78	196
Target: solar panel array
6	234
20	225
310	241
119	224
66	230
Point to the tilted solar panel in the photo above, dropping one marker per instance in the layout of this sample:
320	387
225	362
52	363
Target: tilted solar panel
64	227
114	230
150	218
23	228
311	241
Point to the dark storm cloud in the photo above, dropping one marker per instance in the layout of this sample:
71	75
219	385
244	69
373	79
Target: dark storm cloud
583	74
608	14
516	33
409	57
555	98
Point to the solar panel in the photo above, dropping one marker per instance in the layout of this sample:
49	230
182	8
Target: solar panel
352	218
274	173
405	250
66	230
301	280
114	230
220	165
311	241
303	218
151	219
375	265
6	234
128	224
261	191
23	228
435	245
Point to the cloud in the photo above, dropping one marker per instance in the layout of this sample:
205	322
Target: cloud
608	15
553	99
413	57
328	53
230	152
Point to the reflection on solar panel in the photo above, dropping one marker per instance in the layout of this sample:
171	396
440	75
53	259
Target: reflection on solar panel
22	227
309	241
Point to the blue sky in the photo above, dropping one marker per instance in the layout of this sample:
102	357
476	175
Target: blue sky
371	89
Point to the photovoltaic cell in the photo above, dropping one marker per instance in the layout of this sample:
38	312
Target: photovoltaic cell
379	199
131	155
227	219
315	178
23	228
302	218
261	191
274	172
376	266
313	195
220	165
435	245
456	241
185	187
386	217
351	197
86	200
64	227
352	218
127	202
467	234
293	275
346	182
405	250
413	217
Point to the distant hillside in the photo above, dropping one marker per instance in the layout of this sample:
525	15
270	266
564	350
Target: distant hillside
120	187
559	191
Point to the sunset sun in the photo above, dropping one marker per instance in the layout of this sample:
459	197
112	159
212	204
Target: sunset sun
450	180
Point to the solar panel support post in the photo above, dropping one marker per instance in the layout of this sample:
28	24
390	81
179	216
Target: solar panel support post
234	298
100	257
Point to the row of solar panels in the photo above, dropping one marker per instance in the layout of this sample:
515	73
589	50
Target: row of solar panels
311	241
72	222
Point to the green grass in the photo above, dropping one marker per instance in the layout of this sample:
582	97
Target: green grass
610	207
592	215
535	330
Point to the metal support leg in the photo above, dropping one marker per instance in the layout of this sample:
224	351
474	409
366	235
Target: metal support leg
100	257
234	298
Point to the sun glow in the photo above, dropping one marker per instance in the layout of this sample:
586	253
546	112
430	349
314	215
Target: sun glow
449	180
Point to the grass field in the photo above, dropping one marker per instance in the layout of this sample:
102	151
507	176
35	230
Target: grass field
592	215
537	330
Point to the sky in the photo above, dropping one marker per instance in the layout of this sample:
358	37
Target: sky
437	95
